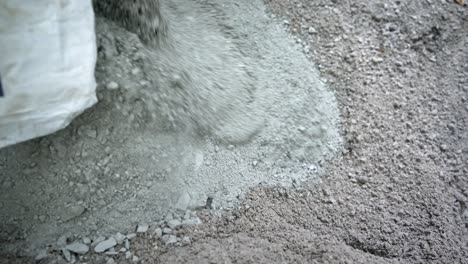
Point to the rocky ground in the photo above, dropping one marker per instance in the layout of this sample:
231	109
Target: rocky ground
399	192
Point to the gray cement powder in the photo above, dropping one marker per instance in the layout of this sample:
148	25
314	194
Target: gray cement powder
121	163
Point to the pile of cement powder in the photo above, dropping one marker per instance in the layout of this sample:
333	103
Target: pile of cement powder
117	165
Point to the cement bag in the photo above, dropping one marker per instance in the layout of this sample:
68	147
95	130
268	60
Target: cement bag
47	60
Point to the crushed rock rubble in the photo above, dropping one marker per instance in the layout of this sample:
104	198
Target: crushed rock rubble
119	244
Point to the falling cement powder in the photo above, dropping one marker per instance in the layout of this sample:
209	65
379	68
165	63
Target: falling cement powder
120	163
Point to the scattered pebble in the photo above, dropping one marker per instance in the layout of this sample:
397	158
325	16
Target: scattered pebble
42	255
158	232
127	244
78	248
105	245
112	85
192	221
128	254
443	147
142	228
67	254
312	30
131	236
119	238
61	242
98	240
377	59
167	230
186	240
135	259
110	261
168	217
111	252
169	239
72	211
173	223
184	199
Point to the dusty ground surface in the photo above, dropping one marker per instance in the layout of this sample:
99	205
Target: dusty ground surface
399	192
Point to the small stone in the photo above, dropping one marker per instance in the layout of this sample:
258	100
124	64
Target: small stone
111	252
167	230
158	232
443	147
312	30
192	221
72	211
168	217
135	71
169	239
184	200
98	240
91	132
135	259
105	245
119	238
78	248
66	254
42	254
112	85
127	244
42	218
128	254
107	150
61	242
142	228
377	59
186	240
123	249
131	236
110	261
173	223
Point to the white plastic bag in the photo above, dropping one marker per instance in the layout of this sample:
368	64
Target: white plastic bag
47	61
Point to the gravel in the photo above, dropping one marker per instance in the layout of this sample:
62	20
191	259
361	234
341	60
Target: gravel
105	245
67	255
158	232
142	228
86	240
112	86
173	223
131	236
119	238
78	248
169	239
